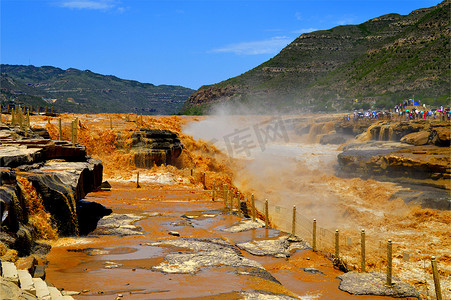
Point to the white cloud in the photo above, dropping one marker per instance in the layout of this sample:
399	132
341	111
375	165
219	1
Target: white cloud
305	30
269	46
91	4
346	20
298	16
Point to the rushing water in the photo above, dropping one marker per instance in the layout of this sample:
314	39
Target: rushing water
296	170
287	168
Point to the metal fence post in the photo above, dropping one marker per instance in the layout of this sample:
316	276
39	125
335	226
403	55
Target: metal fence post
253	207
224	194
231	202
72	132
438	291
238	203
60	132
389	263
362	251
266	214
314	235
293	222
337	243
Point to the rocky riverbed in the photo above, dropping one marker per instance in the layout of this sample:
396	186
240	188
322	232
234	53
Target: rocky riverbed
162	227
178	243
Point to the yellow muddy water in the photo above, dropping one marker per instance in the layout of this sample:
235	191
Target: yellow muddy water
295	172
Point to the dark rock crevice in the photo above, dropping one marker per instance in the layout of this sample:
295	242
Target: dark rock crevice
61	173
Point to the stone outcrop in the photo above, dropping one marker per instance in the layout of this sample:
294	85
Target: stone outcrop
20	284
374	283
61	174
417	132
415	153
152	147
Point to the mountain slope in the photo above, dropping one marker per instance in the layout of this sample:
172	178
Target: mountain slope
379	62
88	92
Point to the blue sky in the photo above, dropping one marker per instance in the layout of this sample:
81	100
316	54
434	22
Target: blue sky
188	43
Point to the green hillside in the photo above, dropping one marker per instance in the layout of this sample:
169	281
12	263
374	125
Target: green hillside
379	63
79	91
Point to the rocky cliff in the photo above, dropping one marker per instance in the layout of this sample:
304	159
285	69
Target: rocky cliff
416	154
378	62
41	185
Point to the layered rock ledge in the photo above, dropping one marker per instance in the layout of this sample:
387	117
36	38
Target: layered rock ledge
60	174
416	154
151	147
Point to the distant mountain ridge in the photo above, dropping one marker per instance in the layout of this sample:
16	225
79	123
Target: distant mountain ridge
79	91
378	62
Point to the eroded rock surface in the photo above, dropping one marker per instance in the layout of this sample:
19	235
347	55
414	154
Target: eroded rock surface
207	253
118	224
416	154
245	225
374	283
281	247
61	174
152	147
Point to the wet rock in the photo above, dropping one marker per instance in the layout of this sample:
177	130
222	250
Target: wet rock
70	293
105	186
416	138
279	246
83	176
442	136
118	224
89	214
423	166
245	225
334	139
183	222
205	253
40	248
374	283
11	210
313	271
112	265
427	197
24	240
14	156
39	272
58	200
264	295
61	173
27	263
257	272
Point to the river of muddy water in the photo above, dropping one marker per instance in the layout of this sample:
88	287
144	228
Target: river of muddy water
286	168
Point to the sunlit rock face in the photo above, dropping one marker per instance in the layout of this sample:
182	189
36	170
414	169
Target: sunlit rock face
411	153
55	174
151	147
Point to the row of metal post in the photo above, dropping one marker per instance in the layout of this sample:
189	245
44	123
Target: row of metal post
228	196
30	109
18	118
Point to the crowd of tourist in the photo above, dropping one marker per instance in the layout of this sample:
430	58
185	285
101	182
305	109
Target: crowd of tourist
406	110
